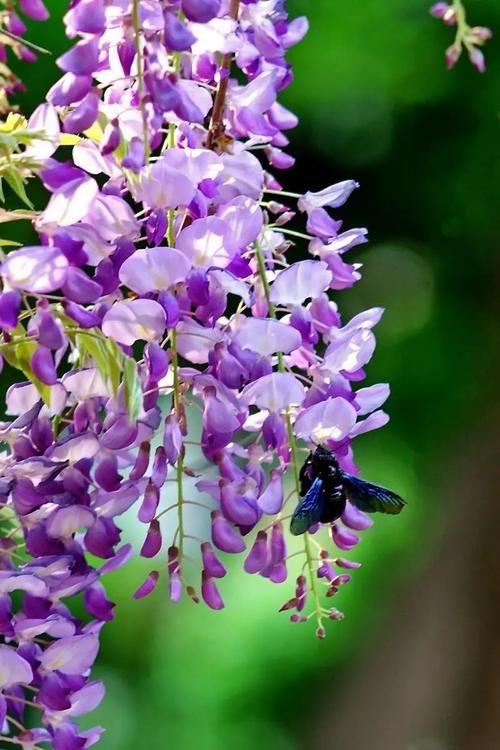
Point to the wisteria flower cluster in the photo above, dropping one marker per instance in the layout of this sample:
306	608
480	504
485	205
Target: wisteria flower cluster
12	30
468	38
164	293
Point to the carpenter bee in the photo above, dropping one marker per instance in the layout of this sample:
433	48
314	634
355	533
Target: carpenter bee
325	488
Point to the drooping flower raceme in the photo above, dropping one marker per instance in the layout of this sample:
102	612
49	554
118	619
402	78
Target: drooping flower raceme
163	306
470	38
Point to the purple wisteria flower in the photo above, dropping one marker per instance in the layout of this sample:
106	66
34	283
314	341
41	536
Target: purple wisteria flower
163	282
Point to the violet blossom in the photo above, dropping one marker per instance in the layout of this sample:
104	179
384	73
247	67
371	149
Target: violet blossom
163	278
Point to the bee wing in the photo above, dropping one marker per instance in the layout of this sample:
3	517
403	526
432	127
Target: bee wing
310	509
371	498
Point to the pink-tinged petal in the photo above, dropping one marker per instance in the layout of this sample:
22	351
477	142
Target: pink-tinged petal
69	203
271	500
303	280
206	243
369	399
332	419
13	668
334	196
267	336
128	322
373	422
71	656
154	269
195	342
37	269
74	448
274	392
65	522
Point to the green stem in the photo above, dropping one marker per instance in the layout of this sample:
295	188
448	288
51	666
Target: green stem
140	78
180	460
291	440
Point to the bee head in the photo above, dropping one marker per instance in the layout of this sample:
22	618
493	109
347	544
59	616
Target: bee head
323	457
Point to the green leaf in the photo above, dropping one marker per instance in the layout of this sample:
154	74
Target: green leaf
18	354
15	181
116	357
9	243
132	390
105	353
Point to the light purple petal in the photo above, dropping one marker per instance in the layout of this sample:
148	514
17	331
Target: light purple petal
303	280
45	120
75	447
351	354
13	668
242	175
369	399
29	583
112	217
195	342
86	699
267	336
373	422
334	196
71	656
231	284
37	269
271	499
245	220
206	243
165	187
128	322
274	392
85	384
65	522
154	269
69	203
332	419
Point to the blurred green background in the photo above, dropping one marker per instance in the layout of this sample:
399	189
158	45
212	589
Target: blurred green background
375	104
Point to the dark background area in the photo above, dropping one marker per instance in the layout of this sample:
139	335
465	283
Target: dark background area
414	664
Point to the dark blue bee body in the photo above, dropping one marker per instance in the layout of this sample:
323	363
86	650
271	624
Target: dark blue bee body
325	488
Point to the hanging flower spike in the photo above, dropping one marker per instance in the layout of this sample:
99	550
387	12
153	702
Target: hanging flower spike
470	38
163	283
